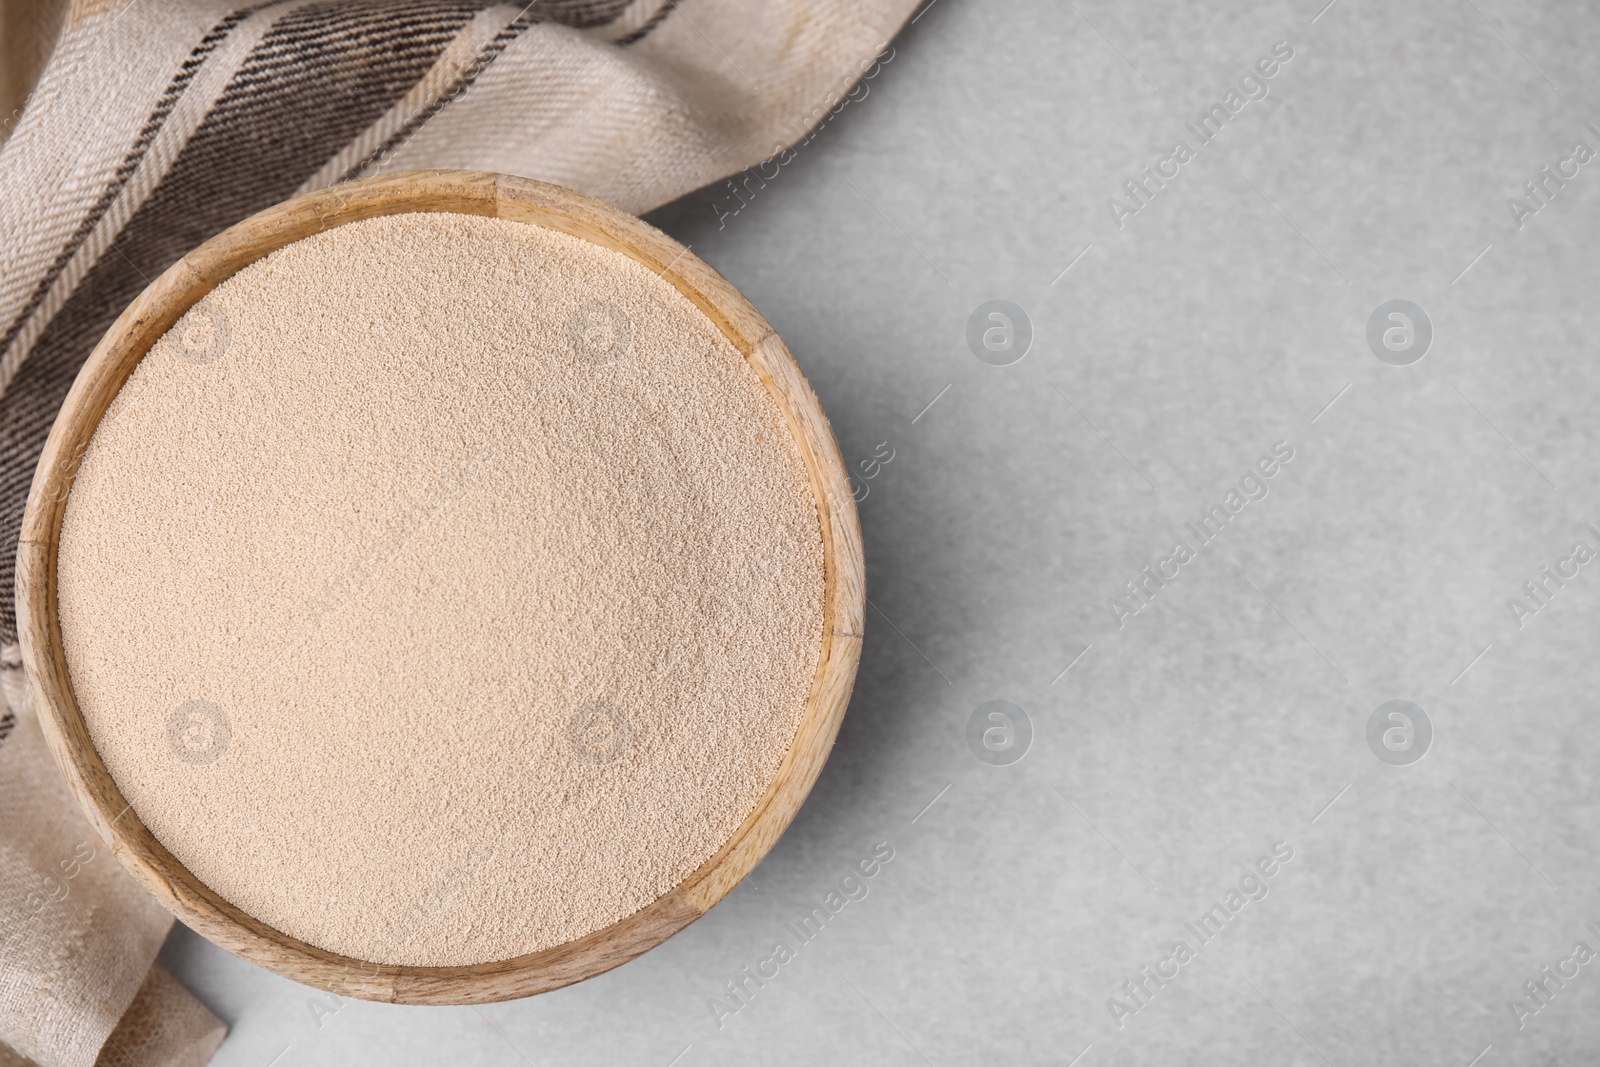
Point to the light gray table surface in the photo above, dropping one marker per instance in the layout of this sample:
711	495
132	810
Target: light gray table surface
1229	715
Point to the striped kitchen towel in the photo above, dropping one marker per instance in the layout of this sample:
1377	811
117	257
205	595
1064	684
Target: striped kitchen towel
136	129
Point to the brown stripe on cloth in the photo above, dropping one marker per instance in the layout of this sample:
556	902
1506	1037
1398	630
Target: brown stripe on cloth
644	31
578	14
126	168
441	100
282	115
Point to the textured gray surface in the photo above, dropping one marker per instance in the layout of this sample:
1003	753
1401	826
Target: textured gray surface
1231	712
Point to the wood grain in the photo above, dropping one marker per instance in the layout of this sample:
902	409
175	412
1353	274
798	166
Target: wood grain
179	288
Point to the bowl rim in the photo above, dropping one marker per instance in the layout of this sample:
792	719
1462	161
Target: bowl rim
182	285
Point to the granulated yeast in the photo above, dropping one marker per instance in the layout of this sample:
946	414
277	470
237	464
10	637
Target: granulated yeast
442	588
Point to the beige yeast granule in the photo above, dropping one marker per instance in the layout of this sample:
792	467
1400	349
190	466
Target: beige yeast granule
442	588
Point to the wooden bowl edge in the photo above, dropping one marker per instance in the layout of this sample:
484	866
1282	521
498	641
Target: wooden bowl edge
154	311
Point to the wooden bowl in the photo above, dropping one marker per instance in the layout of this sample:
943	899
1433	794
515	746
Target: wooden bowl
157	308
